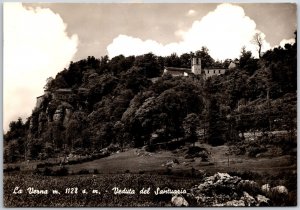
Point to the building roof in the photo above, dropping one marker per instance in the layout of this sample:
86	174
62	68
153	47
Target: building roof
211	69
64	90
40	96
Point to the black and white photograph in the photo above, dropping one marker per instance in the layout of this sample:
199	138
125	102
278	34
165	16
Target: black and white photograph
149	104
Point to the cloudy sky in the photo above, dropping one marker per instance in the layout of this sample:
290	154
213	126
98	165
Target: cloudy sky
41	39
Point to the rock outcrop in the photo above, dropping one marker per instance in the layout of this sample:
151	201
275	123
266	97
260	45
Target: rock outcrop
221	189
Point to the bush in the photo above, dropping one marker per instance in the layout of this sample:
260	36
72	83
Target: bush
150	148
63	171
253	151
47	172
11	169
246	175
113	148
83	171
249	186
46	164
172	145
197	152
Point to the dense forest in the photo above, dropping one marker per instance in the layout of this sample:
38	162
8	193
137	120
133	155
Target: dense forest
126	102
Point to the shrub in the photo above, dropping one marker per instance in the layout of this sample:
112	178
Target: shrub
113	148
11	169
247	175
63	171
168	171
47	172
150	148
253	151
249	186
83	171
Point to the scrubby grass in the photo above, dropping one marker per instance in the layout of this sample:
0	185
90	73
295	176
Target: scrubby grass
102	183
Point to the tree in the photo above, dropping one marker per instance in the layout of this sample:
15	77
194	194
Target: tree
206	59
173	60
16	129
149	65
73	131
104	64
190	125
216	125
258	40
247	62
49	84
185	60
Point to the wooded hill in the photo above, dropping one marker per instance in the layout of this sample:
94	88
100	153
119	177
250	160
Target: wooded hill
99	103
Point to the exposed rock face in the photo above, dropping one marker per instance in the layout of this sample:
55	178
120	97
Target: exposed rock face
42	122
58	115
179	201
68	115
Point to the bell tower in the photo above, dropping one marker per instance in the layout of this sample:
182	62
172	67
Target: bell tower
196	65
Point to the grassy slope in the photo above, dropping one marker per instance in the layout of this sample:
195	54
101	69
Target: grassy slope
136	160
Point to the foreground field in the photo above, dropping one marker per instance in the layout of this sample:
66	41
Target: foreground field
135	169
108	190
103	183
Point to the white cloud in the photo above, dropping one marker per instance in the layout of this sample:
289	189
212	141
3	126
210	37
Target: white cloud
191	12
286	41
36	46
224	31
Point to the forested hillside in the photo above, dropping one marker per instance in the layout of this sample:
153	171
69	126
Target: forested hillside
100	103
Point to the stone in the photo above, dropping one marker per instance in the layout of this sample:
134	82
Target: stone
262	200
235	203
222	176
248	199
169	164
280	190
265	188
179	201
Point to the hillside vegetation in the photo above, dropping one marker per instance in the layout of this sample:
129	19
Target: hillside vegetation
114	103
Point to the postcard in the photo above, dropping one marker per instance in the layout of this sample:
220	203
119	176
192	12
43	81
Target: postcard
150	104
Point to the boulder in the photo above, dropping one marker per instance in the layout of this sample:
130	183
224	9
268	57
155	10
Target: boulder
235	203
280	190
265	188
179	201
262	200
222	176
248	199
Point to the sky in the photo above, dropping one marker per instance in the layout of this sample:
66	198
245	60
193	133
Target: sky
41	39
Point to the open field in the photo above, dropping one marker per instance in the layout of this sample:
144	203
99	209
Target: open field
138	160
